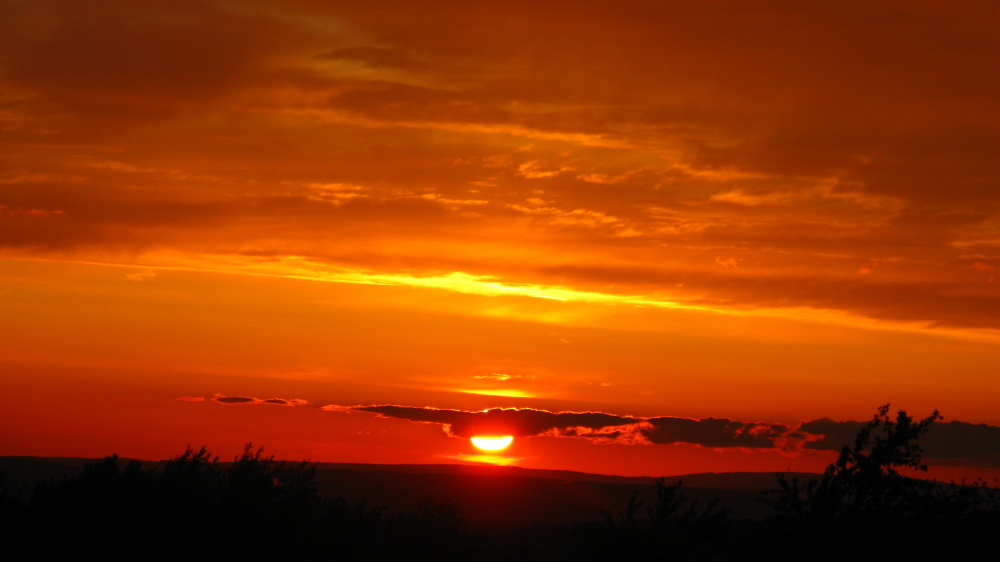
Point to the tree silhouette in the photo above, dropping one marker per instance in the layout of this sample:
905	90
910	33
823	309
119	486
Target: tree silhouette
863	496
864	478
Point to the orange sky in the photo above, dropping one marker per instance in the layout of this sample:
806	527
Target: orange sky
766	212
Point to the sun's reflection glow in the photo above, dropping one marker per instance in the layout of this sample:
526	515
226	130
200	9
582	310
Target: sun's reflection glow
498	460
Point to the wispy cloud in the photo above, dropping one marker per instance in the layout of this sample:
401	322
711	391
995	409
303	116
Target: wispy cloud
637	167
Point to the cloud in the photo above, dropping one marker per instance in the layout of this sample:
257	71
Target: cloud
949	443
511	421
526	422
953	442
251	128
502	376
581	217
713	432
232	400
340	408
235	400
285	402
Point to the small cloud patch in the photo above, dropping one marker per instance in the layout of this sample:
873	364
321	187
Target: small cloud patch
233	400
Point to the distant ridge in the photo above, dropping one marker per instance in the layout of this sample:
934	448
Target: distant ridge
492	496
747	481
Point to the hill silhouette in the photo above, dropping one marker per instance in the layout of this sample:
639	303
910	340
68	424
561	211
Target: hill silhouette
486	496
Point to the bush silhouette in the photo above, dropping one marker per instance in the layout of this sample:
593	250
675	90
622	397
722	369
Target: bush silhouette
668	532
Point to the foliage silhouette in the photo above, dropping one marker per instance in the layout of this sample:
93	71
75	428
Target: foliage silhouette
863	496
253	509
257	508
864	479
668	532
12	510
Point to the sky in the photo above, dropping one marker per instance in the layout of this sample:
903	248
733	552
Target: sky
639	237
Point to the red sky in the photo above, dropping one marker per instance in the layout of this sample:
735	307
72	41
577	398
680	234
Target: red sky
768	212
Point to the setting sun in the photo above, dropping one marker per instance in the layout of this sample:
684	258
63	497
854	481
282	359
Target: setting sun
492	443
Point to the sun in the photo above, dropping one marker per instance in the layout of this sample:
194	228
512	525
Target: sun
492	442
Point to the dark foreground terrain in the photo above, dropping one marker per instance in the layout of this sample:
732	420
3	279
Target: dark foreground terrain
485	496
256	508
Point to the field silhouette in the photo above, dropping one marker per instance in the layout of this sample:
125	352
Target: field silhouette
257	508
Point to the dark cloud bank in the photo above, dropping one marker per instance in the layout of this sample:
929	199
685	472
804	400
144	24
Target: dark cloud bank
952	442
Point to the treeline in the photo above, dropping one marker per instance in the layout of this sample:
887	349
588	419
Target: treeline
257	508
254	509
